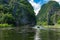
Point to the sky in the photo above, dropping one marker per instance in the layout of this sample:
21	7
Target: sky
38	3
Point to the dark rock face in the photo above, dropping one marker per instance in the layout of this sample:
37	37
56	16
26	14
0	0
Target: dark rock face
21	10
48	13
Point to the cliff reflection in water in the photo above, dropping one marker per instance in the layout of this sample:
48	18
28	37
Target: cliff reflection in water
29	33
20	33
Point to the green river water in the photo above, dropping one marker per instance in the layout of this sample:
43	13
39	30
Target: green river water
29	34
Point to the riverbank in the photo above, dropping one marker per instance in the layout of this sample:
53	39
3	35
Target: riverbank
52	26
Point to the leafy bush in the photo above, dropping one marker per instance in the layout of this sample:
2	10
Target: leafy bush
5	25
58	21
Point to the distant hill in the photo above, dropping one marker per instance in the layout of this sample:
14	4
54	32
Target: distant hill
49	14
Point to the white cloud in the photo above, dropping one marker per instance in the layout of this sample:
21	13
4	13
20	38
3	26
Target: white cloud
57	1
36	6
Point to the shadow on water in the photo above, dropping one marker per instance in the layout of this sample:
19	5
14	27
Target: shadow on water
20	33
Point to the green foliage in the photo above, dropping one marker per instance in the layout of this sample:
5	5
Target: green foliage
6	18
5	25
58	21
1	6
17	12
48	13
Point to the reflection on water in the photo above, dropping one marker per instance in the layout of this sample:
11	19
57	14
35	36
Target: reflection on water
37	37
28	33
20	33
47	33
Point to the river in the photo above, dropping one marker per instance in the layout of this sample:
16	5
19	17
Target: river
29	33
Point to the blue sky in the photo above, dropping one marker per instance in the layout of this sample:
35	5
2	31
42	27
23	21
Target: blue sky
38	3
41	1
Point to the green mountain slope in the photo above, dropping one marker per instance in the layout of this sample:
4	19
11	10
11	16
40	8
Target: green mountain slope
48	13
17	12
